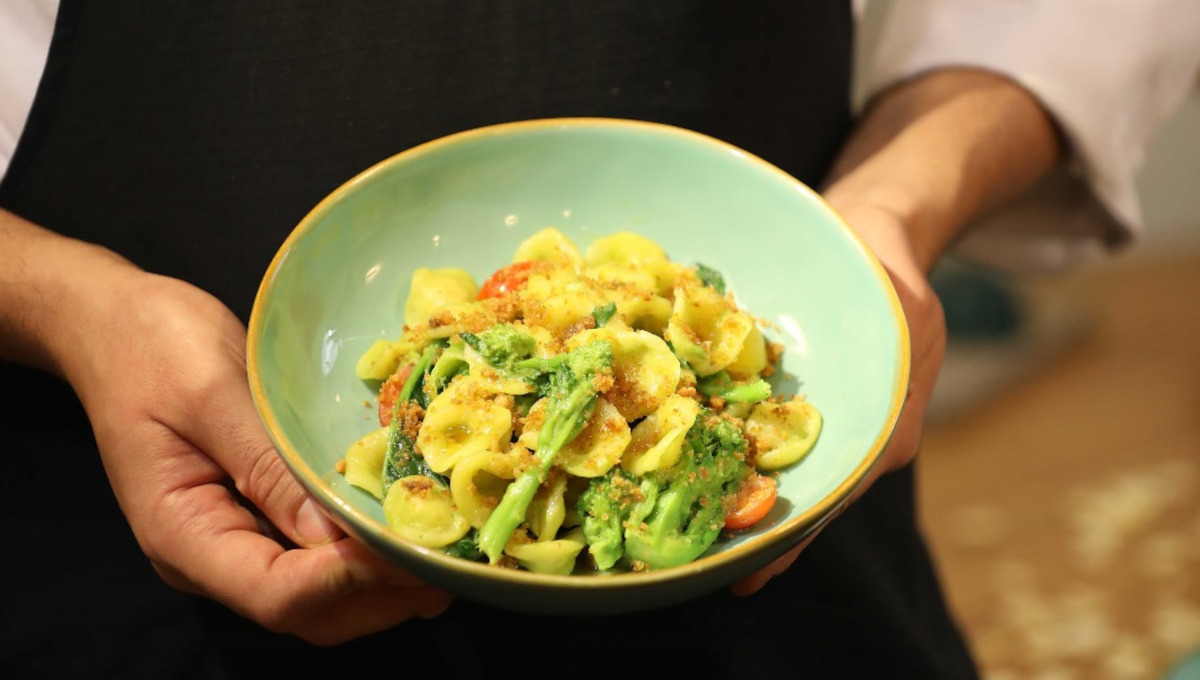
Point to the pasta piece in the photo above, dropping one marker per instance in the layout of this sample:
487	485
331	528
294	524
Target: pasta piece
752	359
432	290
658	440
549	557
639	310
479	479
560	309
549	245
783	433
706	329
597	447
548	508
645	370
619	275
364	462
636	252
461	420
462	317
624	247
546	346
382	359
419	510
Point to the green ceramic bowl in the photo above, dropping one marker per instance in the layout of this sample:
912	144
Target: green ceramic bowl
339	282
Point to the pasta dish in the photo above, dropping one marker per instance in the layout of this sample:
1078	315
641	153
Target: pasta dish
577	411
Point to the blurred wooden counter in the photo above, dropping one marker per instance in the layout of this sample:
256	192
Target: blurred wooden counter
1064	510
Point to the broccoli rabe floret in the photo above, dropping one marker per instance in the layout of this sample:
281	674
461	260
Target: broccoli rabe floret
504	348
720	384
604	508
569	382
668	517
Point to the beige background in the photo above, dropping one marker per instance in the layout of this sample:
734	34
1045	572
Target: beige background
1060	473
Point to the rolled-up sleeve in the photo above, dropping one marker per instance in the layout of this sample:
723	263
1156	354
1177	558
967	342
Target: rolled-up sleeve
26	28
1109	72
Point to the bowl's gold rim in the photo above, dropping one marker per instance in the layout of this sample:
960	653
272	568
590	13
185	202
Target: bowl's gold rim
795	529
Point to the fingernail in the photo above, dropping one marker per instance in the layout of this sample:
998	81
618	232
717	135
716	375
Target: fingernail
312	526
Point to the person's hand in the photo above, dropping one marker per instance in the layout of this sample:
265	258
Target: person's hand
159	366
927	156
885	237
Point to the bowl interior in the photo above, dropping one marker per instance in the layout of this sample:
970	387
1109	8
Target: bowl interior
339	283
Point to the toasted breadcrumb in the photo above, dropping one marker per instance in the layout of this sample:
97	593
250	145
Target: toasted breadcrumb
774	352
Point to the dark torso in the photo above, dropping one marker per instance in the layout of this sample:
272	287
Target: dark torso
191	138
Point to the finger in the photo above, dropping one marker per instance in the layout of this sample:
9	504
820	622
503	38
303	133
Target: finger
335	591
232	434
754	582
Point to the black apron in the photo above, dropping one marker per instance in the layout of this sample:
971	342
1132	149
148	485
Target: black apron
192	137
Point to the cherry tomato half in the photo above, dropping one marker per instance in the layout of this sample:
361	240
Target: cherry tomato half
752	503
389	391
510	278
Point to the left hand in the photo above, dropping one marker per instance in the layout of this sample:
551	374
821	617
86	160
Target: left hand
884	234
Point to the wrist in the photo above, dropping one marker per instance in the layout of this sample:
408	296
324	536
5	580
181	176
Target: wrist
53	285
936	152
891	222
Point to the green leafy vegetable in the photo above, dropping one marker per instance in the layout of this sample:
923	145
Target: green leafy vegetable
451	363
720	384
711	277
402	459
467	547
603	313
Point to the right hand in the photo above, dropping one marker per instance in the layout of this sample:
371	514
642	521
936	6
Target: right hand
159	365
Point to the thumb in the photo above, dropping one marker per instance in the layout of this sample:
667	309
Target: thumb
232	434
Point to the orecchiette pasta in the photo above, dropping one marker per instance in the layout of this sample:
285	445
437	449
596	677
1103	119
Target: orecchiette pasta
463	419
635	252
645	370
364	462
568	395
656	442
597	447
380	360
783	432
558	308
478	481
549	557
706	329
420	510
549	245
432	290
752	358
548	510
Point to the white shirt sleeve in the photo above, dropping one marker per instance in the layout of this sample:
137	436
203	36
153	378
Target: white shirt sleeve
1110	72
26	27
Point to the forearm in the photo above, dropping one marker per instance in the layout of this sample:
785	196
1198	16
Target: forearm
49	285
937	151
